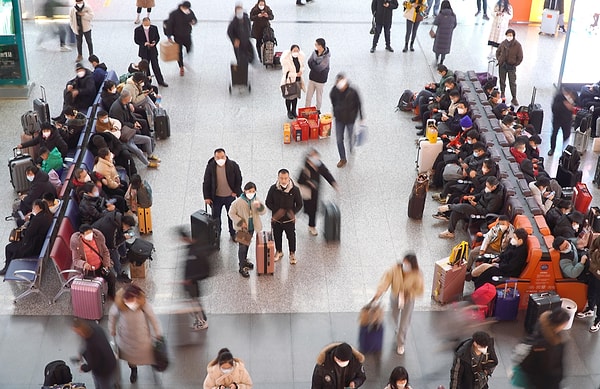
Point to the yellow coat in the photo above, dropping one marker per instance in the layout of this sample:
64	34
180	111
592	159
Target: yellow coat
412	9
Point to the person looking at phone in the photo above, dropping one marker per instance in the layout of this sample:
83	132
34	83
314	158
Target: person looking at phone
147	37
139	95
542	196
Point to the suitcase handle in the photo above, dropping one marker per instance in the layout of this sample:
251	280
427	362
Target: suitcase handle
17	152
43	93
514	290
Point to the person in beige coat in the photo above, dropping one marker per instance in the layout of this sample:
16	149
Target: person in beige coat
148	4
132	321
104	166
245	214
140	99
227	372
406	282
292	68
80	19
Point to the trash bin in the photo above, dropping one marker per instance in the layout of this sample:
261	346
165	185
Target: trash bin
571	307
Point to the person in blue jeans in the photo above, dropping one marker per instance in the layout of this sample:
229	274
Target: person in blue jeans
346	107
245	213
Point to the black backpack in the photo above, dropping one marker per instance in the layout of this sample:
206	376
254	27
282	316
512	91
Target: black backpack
57	373
570	159
405	102
269	35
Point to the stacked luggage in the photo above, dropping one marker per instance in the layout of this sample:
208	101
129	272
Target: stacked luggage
268	47
568	173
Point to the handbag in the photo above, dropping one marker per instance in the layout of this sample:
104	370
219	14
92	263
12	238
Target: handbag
243	237
432	33
161	358
373	26
290	90
16	234
361	135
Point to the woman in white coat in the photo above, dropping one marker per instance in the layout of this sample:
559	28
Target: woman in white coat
132	321
227	372
503	13
292	66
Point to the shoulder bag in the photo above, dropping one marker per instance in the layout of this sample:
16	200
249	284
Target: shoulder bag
290	90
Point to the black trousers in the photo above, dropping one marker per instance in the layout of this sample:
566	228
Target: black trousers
386	33
183	42
290	233
153	59
88	41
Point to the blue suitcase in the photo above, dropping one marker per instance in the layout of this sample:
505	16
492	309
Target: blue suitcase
370	338
507	303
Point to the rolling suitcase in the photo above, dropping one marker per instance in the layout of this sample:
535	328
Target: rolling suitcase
88	295
448	281
332	222
539	303
144	220
536	113
370	338
488	77
427	153
597	174
162	124
265	253
416	200
582	198
40	106
16	167
567	178
268	52
549	24
507	303
239	76
34	150
581	138
205	230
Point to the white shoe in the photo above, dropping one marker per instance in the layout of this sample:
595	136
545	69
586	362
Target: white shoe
278	256
400	350
313	231
65	48
443	208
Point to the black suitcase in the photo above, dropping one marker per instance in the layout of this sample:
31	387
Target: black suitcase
539	303
597	174
162	124
40	106
536	113
332	222
416	200
16	167
205	230
567	178
239	76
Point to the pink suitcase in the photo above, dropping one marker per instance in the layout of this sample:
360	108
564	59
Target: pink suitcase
88	296
265	253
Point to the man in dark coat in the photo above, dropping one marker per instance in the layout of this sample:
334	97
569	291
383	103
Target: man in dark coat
562	116
146	37
110	225
346	107
48	137
285	201
122	156
40	184
222	184
179	29
239	34
382	12
80	92
339	366
122	110
99	73
474	362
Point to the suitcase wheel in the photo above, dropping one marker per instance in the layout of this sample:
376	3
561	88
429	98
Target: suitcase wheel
249	88
229	88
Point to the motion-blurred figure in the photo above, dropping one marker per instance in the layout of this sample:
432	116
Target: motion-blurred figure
55	23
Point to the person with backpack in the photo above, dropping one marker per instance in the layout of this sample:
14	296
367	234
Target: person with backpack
57	373
260	16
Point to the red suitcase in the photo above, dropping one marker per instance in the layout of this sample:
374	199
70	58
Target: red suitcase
448	281
88	296
582	198
265	253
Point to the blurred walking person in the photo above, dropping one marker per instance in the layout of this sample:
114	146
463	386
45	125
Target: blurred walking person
179	30
239	34
446	23
346	107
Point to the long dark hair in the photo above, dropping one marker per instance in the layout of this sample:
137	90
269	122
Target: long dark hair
399	373
446	5
504	6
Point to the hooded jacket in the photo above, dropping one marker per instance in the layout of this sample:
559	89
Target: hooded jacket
284	203
324	374
319	66
464	375
215	377
41	184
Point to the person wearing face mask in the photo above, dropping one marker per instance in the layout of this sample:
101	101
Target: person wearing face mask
131	320
260	16
495	98
108	174
398	379
503	13
80	91
245	214
140	99
474	362
495	241
32	237
563	104
318	63
285	201
292	69
178	28
440	102
540	193
309	182
122	110
222	185
147	37
346	108
339	366
509	55
40	184
51	160
510	262
48	137
432	89
568	225
572	261
80	17
108	95
93	205
227	372
91	256
406	283
239	33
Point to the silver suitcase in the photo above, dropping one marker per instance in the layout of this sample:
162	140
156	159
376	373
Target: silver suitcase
580	140
549	21
427	153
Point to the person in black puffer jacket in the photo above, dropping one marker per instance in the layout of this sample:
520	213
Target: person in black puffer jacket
346	107
339	366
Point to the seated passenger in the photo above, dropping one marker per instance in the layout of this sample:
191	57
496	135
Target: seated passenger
40	184
490	200
540	193
79	178
455	123
457	149
510	262
568	225
121	155
92	205
518	150
489	88
49	137
109	94
51	160
506	124
440	103
107	173
495	241
495	98
32	237
80	92
501	110
532	149
52	202
144	67
139	96
589	95
71	126
572	262
122	109
432	89
561	207
99	73
465	171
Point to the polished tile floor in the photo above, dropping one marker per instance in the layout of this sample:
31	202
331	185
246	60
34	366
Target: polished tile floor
278	324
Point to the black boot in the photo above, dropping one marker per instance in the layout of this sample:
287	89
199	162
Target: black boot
133	375
3	271
405	49
411	46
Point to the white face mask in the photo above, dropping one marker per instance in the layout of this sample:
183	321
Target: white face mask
342	363
488	190
475	154
220	162
514	241
146	28
502	227
95	193
89	236
576	227
81	74
87	178
104	120
509	38
250	195
341	84
261	7
186	11
132	305
45	134
239	14
567	250
142	84
295	55
113	90
482	350
462	111
226	371
30	178
406	267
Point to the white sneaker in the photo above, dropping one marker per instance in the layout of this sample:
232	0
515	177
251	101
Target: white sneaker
446	234
313	231
65	48
400	350
586	313
200	325
595	327
278	256
443	208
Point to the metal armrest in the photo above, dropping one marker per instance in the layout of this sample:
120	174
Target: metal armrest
18	274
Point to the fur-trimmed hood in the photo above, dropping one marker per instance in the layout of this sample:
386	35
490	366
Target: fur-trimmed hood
322	357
